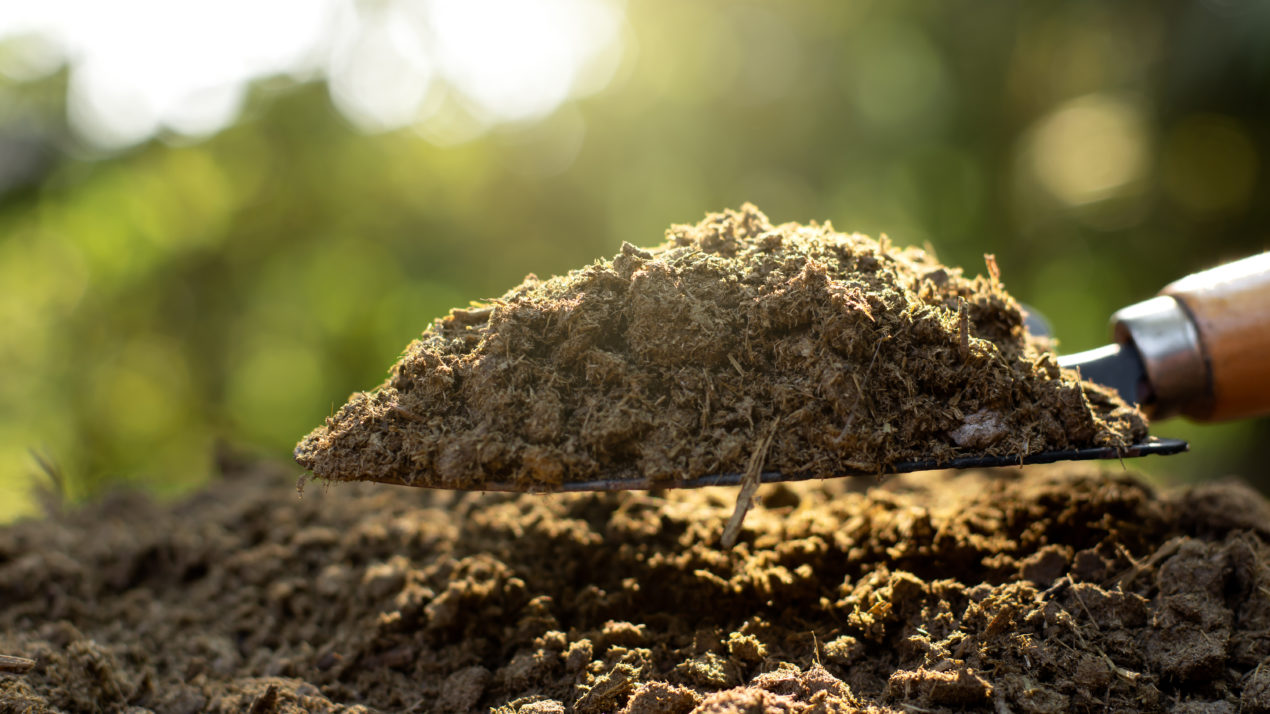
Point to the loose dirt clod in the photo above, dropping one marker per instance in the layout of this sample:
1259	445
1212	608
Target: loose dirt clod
671	363
749	485
1059	590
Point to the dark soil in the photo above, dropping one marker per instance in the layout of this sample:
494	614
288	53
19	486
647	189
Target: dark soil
1043	590
676	362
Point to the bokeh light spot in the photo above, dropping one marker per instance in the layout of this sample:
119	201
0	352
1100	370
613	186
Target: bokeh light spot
29	57
1089	149
185	71
518	59
380	78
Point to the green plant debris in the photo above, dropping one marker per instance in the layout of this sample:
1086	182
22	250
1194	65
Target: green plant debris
671	363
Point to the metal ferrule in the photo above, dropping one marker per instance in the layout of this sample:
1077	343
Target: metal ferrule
1172	355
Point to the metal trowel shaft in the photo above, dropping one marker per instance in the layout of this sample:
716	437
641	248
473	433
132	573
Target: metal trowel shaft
1201	348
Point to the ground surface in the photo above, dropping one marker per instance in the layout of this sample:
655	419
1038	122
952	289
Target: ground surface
1043	590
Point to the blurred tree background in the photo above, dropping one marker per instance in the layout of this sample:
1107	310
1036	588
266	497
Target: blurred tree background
225	263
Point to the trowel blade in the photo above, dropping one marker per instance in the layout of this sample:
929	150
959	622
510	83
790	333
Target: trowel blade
1152	445
1116	366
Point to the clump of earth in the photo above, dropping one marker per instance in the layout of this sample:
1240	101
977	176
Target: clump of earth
1039	590
823	353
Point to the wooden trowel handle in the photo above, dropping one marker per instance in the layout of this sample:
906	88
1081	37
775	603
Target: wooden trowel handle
1230	309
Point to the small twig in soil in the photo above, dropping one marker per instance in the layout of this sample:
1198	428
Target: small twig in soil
1125	579
1081	601
749	484
15	665
963	328
1117	669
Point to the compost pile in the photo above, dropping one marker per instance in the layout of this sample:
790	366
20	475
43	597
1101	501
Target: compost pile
1046	590
677	362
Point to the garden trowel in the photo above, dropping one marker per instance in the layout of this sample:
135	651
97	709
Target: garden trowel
1200	349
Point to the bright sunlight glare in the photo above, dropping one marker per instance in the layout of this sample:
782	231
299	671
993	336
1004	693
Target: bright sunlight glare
523	65
140	67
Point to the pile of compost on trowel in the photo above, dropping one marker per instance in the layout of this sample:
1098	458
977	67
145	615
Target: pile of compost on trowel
733	345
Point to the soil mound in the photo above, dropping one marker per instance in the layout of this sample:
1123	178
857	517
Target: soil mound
1071	590
675	362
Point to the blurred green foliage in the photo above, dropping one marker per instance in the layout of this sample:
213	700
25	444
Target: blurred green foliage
236	290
